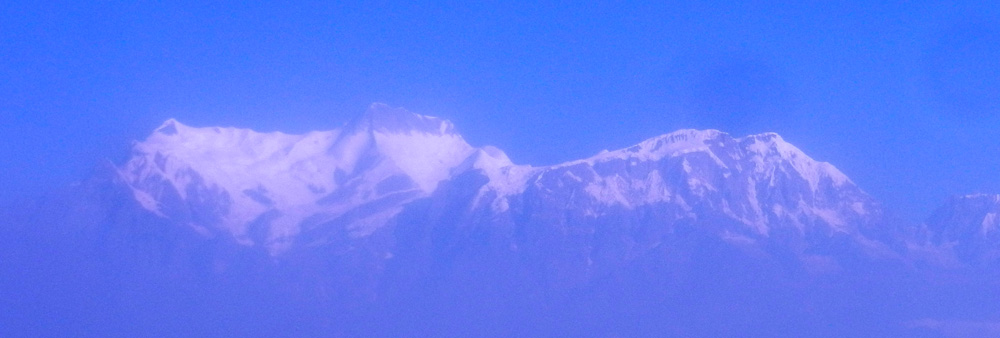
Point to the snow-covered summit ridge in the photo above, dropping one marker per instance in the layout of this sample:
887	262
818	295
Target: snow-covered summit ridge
232	181
758	180
383	118
764	149
225	179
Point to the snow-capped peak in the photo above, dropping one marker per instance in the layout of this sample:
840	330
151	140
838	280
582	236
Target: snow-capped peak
740	177
764	149
771	144
383	118
424	147
225	179
671	144
170	127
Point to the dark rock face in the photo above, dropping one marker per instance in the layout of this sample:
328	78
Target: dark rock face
969	227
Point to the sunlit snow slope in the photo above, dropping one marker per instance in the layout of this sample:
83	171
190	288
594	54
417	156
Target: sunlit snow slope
266	188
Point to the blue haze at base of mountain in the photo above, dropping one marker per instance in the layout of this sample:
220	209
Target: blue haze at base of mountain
73	269
67	294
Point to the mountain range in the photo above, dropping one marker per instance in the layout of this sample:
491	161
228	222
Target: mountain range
394	225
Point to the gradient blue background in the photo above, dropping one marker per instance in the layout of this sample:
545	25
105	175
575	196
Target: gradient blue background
903	96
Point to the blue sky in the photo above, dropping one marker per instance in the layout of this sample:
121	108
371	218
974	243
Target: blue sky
904	97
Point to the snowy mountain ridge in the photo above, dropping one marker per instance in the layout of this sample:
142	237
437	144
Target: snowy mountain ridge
266	188
737	176
227	179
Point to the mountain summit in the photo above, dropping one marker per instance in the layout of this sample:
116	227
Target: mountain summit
265	189
387	119
759	181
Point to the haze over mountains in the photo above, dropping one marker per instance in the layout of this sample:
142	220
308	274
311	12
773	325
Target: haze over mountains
394	225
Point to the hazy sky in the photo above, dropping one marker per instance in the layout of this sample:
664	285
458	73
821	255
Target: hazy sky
903	97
